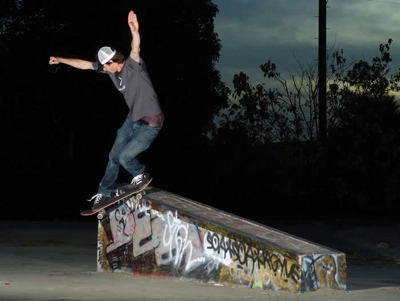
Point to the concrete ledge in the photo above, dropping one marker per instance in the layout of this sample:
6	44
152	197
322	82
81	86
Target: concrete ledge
165	235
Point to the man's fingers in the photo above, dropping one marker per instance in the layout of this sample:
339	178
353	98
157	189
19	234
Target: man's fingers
132	20
53	60
131	17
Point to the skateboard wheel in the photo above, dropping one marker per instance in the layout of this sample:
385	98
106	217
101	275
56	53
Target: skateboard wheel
138	196
100	214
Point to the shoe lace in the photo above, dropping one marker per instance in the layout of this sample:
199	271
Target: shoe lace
137	180
96	198
119	192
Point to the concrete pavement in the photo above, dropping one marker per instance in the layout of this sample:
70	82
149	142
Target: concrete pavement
57	261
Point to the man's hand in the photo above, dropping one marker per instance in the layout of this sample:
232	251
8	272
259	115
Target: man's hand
76	63
133	22
54	60
135	44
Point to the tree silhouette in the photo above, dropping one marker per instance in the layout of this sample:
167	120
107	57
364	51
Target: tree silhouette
356	171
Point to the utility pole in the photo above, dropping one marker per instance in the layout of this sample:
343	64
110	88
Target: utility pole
322	69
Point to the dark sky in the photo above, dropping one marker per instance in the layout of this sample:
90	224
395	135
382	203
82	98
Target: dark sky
284	31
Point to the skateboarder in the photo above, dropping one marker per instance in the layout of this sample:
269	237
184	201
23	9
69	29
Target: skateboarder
144	119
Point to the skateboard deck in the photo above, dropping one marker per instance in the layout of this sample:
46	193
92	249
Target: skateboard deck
101	211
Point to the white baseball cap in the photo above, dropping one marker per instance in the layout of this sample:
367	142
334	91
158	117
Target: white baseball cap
105	54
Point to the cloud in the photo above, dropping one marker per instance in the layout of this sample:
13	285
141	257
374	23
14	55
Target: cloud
253	22
362	22
253	31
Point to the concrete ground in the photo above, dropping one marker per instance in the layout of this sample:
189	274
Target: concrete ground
57	261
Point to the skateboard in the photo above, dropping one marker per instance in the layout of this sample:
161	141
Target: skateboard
136	194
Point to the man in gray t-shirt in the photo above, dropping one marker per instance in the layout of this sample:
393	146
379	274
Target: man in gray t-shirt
144	119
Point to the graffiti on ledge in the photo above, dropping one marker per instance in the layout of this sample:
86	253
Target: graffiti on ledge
142	240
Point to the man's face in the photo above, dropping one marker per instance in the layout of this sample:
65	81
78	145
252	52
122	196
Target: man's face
111	67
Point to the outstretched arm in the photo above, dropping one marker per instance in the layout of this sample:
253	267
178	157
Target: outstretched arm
76	63
135	44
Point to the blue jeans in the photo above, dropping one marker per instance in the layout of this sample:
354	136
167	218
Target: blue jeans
132	139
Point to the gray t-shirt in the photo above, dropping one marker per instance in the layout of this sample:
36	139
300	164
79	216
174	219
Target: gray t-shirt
135	85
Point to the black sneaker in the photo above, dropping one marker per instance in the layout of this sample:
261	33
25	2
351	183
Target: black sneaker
100	200
137	183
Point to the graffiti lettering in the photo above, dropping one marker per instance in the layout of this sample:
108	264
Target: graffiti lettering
121	225
251	257
177	236
137	237
121	220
